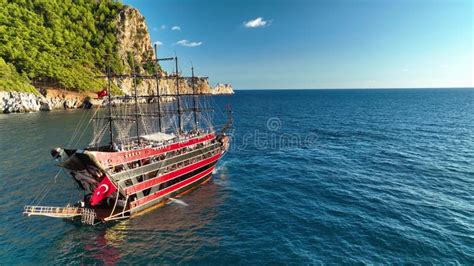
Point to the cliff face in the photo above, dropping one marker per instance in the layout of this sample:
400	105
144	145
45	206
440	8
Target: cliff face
134	41
132	37
130	45
223	89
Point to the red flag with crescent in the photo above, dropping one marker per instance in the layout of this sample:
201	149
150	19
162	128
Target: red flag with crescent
103	190
101	94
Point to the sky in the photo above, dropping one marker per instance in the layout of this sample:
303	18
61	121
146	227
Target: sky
303	44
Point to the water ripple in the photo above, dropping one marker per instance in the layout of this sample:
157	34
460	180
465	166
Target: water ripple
389	179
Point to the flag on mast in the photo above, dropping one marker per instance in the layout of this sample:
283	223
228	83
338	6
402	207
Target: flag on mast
101	94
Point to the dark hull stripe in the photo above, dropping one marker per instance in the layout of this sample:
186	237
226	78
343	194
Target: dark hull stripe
160	201
171	175
152	197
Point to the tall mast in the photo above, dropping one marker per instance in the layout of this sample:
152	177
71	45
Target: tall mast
111	133
180	123
134	75
194	98
158	91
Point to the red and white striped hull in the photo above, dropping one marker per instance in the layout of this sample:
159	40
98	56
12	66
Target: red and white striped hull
137	179
150	201
162	172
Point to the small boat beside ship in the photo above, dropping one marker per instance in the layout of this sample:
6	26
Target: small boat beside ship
143	154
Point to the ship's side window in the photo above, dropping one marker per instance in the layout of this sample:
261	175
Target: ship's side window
146	192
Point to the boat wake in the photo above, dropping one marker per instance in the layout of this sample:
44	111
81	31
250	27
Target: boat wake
177	201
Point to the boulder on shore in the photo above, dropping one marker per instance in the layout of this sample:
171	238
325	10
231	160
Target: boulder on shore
19	102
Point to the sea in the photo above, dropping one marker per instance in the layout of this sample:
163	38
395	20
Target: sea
375	176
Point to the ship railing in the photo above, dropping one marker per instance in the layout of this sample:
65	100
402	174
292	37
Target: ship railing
88	216
60	212
131	143
184	162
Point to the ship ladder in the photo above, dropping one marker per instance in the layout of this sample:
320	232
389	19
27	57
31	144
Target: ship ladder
88	216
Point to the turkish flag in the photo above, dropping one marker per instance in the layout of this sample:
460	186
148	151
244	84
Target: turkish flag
103	190
101	94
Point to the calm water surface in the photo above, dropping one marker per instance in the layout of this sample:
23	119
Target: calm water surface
323	176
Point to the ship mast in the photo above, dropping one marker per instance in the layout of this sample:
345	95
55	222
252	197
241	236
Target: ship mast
134	117
194	98
134	75
111	133
158	91
180	123
158	78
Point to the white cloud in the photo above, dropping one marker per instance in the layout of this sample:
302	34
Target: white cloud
256	23
158	43
163	27
155	29
187	43
176	28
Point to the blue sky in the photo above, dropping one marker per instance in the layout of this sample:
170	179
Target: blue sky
318	44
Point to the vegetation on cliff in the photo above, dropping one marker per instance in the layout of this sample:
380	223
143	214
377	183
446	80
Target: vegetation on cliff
11	80
63	43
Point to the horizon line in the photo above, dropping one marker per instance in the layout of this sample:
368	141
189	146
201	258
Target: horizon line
355	88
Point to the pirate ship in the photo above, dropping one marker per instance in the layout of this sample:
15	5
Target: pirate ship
145	151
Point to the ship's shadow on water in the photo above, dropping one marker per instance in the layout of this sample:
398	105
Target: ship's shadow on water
174	229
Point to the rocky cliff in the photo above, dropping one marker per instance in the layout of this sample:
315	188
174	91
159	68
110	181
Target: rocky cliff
134	47
134	41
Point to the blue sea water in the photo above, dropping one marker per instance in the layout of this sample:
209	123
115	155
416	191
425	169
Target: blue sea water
313	176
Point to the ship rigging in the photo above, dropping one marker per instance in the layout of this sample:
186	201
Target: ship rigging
159	146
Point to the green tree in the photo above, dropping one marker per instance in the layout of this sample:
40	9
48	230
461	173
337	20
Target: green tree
63	42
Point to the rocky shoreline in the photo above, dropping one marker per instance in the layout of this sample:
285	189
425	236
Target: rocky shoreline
44	100
19	102
53	99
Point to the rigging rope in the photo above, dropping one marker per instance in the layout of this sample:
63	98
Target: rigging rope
88	123
45	190
77	128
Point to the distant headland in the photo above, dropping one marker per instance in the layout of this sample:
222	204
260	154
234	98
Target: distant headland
54	54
